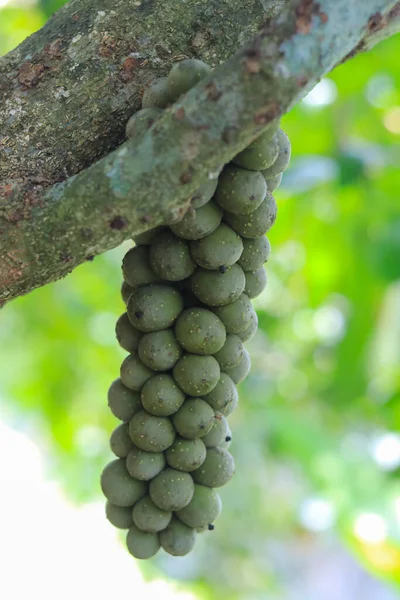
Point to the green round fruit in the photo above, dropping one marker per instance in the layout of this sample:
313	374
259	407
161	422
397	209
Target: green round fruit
203	509
255	253
222	248
154	307
236	316
133	373
141	544
219	431
274	182
126	291
128	337
255	282
216	288
161	396
136	267
156	95
120	441
145	238
122	401
257	223
282	161
217	469
231	352
186	455
148	517
171	489
260	154
240	372
184	75
247	334
159	350
140	123
196	375
170	257
204	193
177	539
118	486
224	396
119	516
194	419
144	465
240	191
200	331
196	224
150	433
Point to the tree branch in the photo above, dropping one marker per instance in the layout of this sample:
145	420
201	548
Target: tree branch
46	233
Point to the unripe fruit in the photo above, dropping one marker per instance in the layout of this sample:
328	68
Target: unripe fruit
224	396
134	374
218	432
222	248
157	95
126	291
122	401
149	517
186	455
136	267
261	153
154	307
257	223
194	419
171	490
216	288
283	158
150	433
196	224
118	486
144	465
141	544
204	193
196	375
170	257
120	441
161	396
177	539
140	123
159	350
255	282
240	191
231	352
145	238
247	334
217	469
203	509
200	331
128	337
119	516
240	372
255	253
236	316
184	75
274	182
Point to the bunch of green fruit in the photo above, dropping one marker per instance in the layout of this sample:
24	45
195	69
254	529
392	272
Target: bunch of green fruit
188	291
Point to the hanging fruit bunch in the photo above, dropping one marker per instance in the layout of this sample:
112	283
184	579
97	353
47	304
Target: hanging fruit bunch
188	291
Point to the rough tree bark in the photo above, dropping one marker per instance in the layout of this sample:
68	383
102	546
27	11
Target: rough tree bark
68	90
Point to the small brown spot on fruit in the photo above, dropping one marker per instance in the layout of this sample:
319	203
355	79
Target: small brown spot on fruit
375	22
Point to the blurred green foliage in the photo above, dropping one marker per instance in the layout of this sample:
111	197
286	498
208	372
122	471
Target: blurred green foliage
319	416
